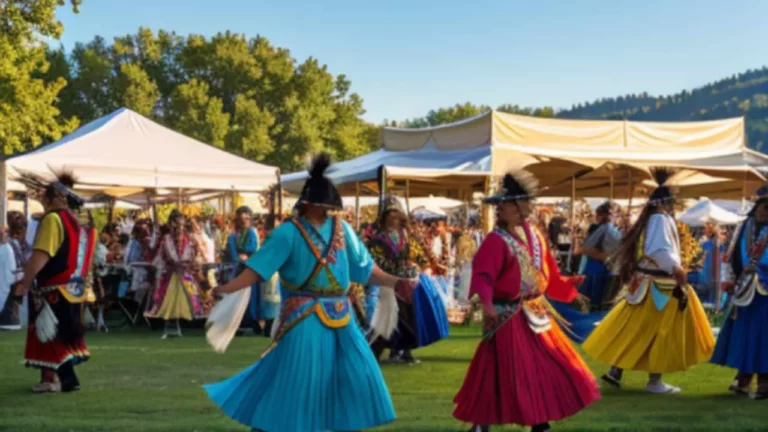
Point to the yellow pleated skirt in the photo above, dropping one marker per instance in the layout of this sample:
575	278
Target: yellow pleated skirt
179	301
642	338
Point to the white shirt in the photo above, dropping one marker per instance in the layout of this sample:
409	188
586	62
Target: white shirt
662	243
7	272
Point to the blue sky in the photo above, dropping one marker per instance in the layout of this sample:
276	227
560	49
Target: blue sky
407	57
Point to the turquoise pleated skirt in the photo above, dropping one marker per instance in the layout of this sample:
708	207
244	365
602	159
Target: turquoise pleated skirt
316	379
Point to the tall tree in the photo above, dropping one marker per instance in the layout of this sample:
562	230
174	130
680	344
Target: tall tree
244	95
249	132
135	90
28	114
194	112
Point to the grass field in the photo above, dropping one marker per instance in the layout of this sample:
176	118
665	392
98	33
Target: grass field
137	382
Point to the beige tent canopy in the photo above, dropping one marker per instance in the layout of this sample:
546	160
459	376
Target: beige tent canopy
460	155
579	139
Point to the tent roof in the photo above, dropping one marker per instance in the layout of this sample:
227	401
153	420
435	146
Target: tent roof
461	153
707	211
563	138
125	148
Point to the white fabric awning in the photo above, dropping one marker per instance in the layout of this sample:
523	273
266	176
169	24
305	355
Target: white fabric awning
128	150
707	211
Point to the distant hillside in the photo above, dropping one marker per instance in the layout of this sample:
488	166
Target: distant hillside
744	94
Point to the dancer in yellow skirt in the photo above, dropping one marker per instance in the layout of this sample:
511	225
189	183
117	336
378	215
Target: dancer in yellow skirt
177	295
659	325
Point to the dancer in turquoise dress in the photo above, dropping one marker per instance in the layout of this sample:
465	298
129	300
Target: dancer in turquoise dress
241	245
319	373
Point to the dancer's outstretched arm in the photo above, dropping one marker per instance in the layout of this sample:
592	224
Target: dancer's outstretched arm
381	278
245	279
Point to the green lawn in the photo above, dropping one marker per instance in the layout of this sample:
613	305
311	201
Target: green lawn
137	382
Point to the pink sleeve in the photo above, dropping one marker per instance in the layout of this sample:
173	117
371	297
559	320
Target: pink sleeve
486	267
560	288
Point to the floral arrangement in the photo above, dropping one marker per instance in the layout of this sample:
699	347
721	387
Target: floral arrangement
690	249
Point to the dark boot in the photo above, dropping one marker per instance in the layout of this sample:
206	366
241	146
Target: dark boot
408	357
378	347
68	377
267	330
740	384
762	387
613	377
478	428
541	427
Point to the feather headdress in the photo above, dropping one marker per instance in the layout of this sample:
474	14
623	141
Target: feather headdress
62	185
516	185
664	192
319	190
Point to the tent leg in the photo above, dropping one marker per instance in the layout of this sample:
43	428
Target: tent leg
26	206
382	187
487	210
357	206
572	215
572	223
716	268
3	195
744	194
111	211
408	196
612	186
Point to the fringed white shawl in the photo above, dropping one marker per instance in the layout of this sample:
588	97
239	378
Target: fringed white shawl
384	320
224	319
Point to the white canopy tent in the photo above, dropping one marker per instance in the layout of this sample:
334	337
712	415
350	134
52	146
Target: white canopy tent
129	153
707	211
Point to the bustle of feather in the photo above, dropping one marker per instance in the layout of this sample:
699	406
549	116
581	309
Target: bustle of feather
520	183
662	174
66	178
320	163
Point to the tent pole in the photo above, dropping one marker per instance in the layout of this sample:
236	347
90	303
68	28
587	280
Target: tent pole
612	185
26	206
179	199
280	201
111	210
3	195
408	196
271	219
487	210
573	204
357	206
744	194
467	200
716	269
382	187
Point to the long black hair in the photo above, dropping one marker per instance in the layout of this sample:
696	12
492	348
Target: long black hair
625	260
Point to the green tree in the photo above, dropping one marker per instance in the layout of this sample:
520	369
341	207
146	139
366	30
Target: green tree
249	132
28	113
244	95
192	111
90	92
135	90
